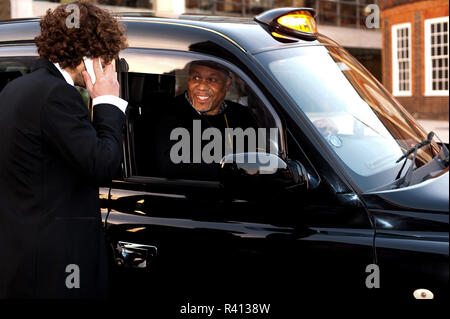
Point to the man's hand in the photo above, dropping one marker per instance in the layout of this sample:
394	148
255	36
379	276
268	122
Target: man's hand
106	82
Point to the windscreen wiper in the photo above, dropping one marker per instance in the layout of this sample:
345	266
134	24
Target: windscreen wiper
406	180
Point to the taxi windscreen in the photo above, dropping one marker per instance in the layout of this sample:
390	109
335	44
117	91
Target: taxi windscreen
360	121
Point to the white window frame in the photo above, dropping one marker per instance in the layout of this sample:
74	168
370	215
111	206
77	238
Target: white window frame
428	61
395	68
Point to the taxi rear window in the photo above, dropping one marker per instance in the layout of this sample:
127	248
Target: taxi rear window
14	67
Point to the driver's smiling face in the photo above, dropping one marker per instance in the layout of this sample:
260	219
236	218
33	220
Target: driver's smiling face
207	88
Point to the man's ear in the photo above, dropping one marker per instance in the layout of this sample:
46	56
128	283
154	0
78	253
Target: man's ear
228	83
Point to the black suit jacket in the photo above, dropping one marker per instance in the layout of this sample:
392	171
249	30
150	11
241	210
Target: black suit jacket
52	159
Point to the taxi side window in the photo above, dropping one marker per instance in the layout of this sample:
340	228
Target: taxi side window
14	67
160	102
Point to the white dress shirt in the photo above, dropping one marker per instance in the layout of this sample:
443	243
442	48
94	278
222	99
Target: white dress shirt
108	99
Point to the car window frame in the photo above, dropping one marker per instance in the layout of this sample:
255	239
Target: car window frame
130	55
18	52
15	50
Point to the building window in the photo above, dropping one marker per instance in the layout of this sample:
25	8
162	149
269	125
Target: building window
348	13
401	59
345	13
145	4
436	56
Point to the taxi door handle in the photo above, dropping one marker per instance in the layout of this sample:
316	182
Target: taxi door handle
131	255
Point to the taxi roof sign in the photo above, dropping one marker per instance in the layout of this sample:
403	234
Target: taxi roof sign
293	22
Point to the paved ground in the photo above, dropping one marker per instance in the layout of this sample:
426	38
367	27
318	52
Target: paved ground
438	127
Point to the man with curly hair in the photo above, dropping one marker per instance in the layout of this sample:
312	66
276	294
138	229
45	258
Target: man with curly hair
53	157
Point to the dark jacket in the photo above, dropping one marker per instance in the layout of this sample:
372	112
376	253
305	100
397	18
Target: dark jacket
181	114
52	159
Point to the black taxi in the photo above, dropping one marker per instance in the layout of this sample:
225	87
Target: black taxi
356	211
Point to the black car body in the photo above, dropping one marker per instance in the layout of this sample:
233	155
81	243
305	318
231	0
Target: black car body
320	236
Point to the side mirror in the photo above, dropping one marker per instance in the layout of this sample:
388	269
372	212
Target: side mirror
261	171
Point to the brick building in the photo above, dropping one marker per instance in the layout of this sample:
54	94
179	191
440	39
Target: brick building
415	55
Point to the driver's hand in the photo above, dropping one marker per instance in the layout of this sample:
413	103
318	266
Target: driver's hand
326	126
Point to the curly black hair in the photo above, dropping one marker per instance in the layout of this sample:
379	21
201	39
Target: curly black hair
99	35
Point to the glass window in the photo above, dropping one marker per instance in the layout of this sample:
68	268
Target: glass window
13	67
348	14
187	111
328	12
147	4
367	129
436	56
401	59
199	4
235	7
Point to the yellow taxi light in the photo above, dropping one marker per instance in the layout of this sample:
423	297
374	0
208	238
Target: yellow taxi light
301	21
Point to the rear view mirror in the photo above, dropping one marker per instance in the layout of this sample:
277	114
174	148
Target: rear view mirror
256	171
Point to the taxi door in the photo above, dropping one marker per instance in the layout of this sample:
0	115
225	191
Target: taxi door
198	238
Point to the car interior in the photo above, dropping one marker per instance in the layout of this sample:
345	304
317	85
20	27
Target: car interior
148	93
